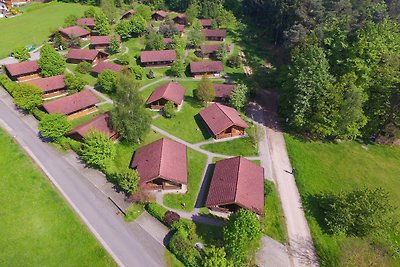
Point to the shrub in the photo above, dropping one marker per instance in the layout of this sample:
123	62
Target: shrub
97	150
184	250
234	61
171	217
74	83
169	109
186	226
54	126
38	114
84	67
239	97
178	68
128	180
51	62
28	96
20	53
123	59
68	143
156	211
205	91
7	84
107	80
151	75
138	72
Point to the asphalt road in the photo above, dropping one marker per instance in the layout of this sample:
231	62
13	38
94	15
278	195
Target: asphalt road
128	244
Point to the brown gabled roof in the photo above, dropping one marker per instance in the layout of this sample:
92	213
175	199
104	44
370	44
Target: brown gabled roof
100	40
161	13
50	83
75	31
181	28
163	158
206	67
100	123
72	103
214	33
83	54
180	17
219	118
157	56
206	22
237	181
103	65
22	68
89	22
128	13
167	40
223	90
170	91
211	48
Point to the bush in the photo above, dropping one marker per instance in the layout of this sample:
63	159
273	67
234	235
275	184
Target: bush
54	126
184	250
151	75
74	83
178	68
171	217
107	80
169	109
28	96
67	143
156	211
123	59
138	72
38	114
20	53
187	226
97	150
127	180
234	61
205	91
84	67
7	84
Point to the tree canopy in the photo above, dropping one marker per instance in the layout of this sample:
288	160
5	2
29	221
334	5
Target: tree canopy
27	96
51	63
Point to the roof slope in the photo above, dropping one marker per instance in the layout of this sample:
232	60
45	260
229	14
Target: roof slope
237	181
50	83
71	103
206	66
82	54
219	118
157	56
206	22
104	65
211	48
214	33
170	91
22	68
223	89
100	123
75	31
86	22
163	158
101	40
161	13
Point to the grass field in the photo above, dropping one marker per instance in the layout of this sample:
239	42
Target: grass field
35	25
237	147
186	124
326	167
196	165
37	227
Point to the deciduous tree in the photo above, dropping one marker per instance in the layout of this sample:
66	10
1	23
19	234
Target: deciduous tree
178	68
139	25
102	26
107	81
84	67
154	41
70	20
54	126
97	150
205	91
239	96
74	83
20	53
216	257
51	63
124	29
128	180
27	96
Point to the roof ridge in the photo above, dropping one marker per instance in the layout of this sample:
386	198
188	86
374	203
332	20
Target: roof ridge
161	156
219	106
237	179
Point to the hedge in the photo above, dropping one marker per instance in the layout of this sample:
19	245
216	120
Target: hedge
156	211
7	84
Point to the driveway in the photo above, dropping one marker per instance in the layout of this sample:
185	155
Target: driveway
128	244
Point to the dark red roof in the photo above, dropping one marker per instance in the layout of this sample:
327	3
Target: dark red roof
49	83
180	16
214	33
167	40
128	13
82	54
103	65
75	31
206	22
157	56
22	68
163	158
161	13
219	118
100	123
223	90
206	67
100	40
181	28
211	48
72	103
89	22
237	181
170	91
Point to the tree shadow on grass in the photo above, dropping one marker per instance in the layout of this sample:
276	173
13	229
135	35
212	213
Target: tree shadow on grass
314	206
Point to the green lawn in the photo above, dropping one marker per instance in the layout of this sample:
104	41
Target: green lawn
171	260
35	25
274	221
325	167
237	147
186	125
196	164
37	227
88	77
134	211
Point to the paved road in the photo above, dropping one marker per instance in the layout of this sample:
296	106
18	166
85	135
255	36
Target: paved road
128	244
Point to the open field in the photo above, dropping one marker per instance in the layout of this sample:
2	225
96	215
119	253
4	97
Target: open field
37	227
35	24
326	167
196	165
